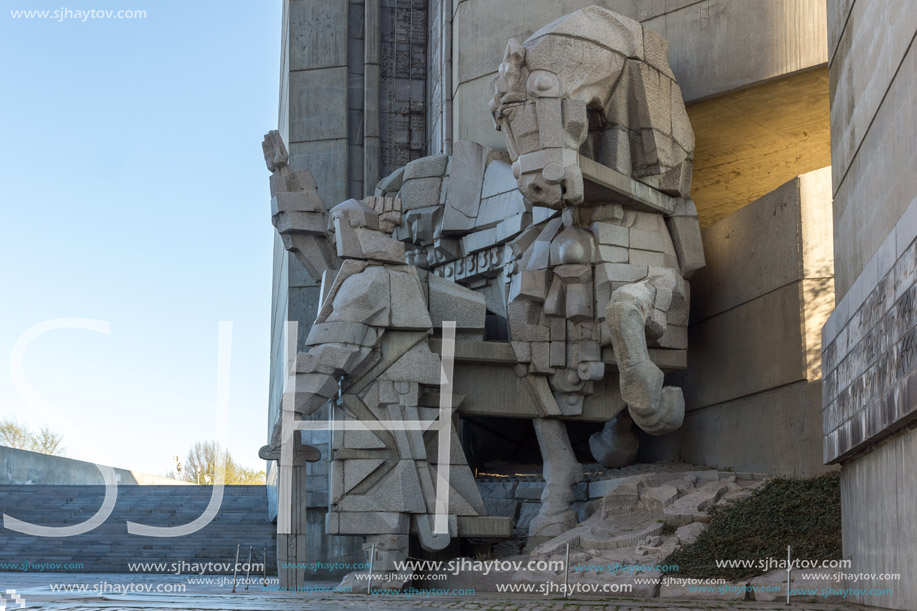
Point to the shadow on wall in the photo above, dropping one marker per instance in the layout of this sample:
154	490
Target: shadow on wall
753	384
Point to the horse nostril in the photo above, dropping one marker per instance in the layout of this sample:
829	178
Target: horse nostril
553	173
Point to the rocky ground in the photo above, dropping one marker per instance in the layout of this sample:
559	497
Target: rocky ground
635	519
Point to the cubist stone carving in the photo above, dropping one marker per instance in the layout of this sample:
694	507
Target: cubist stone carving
575	246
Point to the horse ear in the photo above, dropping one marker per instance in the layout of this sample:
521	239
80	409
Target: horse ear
515	52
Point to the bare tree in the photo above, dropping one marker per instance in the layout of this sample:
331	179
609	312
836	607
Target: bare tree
16	435
204	461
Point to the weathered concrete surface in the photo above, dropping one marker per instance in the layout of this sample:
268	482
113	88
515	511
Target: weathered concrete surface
25	467
759	433
759	305
751	141
783	237
873	87
715	47
879	515
869	368
868	340
754	342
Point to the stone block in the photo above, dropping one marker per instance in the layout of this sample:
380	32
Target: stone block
479	240
688	244
342	332
420	192
780	238
469	161
497	490
318	34
646	257
367	523
529	491
417	365
319	98
496	208
391	184
498	178
501	507
363	297
689	533
611	254
410	311
778	431
610	234
523	319
378	246
425	167
450	301
754	347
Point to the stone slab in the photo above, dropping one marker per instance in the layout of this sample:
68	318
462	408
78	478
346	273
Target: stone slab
778	431
780	238
751	348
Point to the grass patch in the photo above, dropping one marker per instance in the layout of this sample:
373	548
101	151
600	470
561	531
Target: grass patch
805	514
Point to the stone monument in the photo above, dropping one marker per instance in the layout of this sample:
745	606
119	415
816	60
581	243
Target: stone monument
577	242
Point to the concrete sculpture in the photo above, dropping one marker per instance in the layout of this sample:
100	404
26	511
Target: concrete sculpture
368	353
572	249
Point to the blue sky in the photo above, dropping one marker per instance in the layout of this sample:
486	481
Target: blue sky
133	191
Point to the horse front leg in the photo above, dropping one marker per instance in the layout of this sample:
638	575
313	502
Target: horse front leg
631	314
561	472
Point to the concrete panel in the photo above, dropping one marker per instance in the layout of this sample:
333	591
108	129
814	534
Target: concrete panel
324	549
25	467
749	142
482	27
880	520
838	10
868	56
716	46
318	105
817	305
324	159
723	45
880	182
781	238
753	347
318	34
303	306
471	119
777	431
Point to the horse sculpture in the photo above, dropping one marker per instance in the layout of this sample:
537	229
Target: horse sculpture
583	276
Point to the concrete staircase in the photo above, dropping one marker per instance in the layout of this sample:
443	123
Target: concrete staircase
242	519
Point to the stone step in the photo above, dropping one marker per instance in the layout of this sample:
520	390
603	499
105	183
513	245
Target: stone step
241	520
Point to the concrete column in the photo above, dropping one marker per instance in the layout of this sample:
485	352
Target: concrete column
371	45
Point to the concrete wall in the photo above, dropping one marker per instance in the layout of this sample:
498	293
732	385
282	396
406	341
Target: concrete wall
715	45
869	348
873	72
752	387
879	526
870	389
24	467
